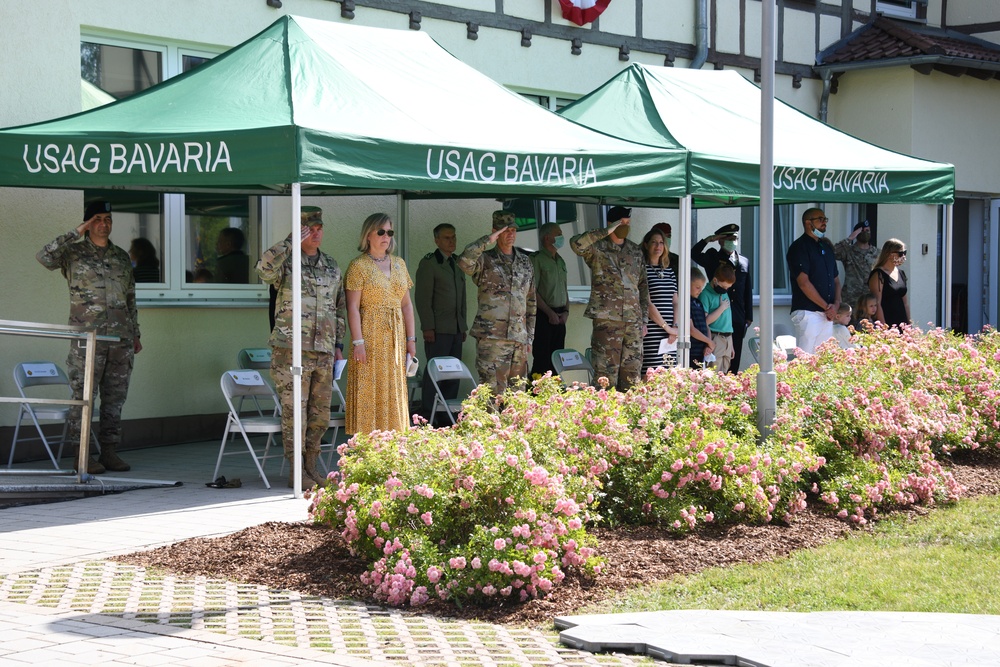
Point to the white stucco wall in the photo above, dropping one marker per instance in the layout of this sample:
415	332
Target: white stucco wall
186	349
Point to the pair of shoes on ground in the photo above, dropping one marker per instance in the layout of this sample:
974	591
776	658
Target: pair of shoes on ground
223	483
107	461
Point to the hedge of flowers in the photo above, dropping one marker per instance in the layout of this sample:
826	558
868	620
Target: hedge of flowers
496	509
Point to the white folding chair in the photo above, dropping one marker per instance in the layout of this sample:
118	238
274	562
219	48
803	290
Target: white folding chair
753	344
338	416
248	383
255	358
441	369
568	360
33	374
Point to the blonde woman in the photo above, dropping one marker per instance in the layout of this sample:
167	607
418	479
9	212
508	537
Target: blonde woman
380	316
887	282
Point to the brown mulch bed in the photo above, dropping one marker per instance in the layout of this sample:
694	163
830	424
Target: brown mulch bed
313	559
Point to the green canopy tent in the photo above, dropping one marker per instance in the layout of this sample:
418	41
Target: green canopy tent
314	107
716	117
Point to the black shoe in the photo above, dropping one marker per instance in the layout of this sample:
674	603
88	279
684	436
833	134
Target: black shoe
112	462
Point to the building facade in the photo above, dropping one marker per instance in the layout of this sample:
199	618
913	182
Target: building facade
838	60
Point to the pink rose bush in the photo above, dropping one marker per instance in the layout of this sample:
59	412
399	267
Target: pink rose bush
496	509
882	413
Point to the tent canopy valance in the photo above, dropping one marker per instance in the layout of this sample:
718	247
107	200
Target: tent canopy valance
715	117
339	109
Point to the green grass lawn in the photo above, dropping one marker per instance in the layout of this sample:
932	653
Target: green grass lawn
947	561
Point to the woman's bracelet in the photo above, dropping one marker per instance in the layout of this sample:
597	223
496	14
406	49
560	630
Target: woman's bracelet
411	339
360	341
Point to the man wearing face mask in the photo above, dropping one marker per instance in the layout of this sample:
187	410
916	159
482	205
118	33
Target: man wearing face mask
619	298
551	297
740	292
858	256
815	282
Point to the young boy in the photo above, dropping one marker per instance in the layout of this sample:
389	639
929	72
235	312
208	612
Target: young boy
700	341
840	324
715	301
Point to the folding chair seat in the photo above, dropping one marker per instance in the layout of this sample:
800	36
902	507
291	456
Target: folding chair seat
786	344
568	360
244	384
441	369
34	374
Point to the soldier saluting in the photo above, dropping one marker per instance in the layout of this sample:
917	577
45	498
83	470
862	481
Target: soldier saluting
619	298
505	323
101	298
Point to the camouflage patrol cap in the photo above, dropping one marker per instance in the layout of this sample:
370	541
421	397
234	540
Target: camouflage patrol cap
312	215
502	219
95	207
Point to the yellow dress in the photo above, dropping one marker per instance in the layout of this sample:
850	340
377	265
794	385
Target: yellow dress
376	390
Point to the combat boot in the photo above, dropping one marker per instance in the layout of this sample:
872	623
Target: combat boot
110	459
309	470
94	467
307	482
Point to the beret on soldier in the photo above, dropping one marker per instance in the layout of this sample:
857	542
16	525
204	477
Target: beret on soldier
663	228
861	225
312	215
616	213
502	219
95	207
728	230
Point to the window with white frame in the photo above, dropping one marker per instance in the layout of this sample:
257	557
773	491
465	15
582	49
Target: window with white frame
192	249
906	9
785	231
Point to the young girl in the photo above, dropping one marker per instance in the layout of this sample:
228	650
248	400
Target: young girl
865	312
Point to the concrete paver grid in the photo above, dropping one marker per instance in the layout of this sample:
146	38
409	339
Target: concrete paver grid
287	618
50	559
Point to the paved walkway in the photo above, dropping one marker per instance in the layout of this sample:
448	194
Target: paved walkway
62	602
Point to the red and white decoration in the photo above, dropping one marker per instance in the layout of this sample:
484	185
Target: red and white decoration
583	11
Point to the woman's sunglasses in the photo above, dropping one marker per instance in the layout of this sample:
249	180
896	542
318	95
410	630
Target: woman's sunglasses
383	232
901	253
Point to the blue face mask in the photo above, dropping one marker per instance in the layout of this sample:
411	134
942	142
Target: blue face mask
729	246
819	234
559	241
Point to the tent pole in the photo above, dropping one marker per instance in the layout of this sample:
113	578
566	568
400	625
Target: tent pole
297	337
949	230
767	397
403	225
683	315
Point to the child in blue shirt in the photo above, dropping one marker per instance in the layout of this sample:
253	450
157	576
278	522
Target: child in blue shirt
715	300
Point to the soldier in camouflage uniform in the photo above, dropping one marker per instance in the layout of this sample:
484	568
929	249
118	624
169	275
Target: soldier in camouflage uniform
858	256
102	298
505	323
619	299
323	330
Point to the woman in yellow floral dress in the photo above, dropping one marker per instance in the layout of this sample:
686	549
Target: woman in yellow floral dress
378	306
